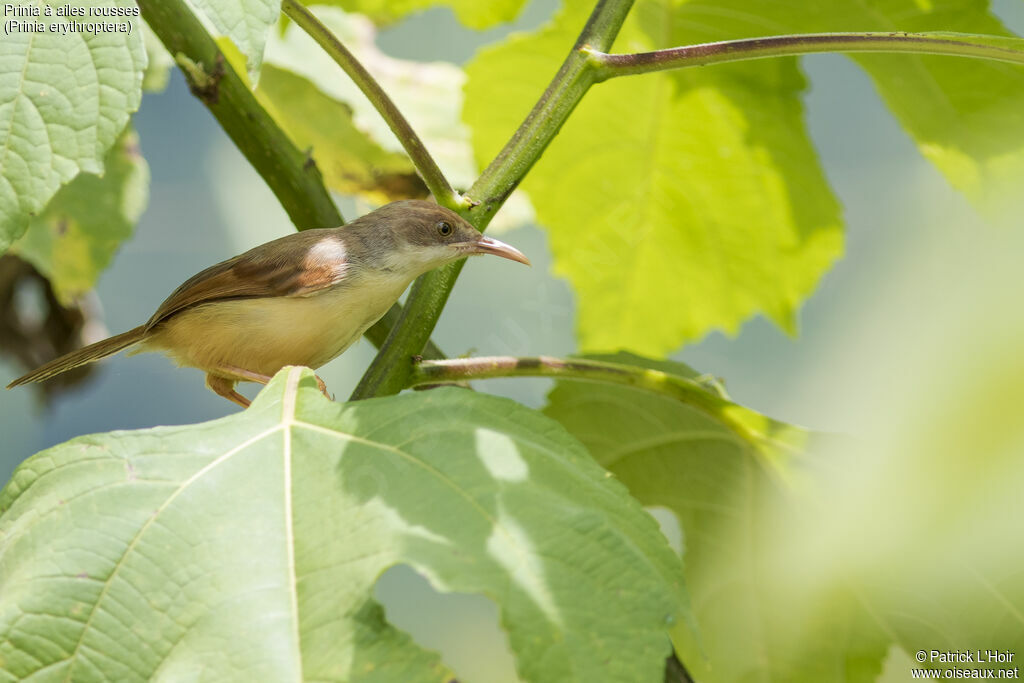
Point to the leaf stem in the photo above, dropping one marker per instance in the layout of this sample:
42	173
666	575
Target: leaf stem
425	164
957	44
682	389
565	91
758	430
390	370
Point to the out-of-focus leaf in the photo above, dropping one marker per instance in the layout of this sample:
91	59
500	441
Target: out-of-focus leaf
473	13
75	238
966	115
350	162
577	405
64	99
725	488
247	548
903	538
246	22
921	518
158	68
675	203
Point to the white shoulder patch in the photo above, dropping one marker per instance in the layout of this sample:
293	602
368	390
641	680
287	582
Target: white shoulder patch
329	249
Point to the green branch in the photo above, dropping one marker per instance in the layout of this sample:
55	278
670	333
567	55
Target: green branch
682	389
421	159
956	44
565	91
390	370
687	391
289	172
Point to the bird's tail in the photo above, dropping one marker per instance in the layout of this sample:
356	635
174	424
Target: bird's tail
88	354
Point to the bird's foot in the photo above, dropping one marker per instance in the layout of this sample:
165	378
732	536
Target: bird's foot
223	378
222	386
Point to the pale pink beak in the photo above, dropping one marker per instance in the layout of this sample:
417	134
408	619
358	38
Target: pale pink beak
489	245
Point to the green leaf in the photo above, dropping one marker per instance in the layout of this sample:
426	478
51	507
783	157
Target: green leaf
351	163
966	115
64	99
810	565
920	517
675	203
248	547
723	484
246	22
472	13
76	237
588	410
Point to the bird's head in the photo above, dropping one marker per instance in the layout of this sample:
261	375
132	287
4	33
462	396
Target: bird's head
417	236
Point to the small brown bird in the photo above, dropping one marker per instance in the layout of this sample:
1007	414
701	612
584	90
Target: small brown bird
298	300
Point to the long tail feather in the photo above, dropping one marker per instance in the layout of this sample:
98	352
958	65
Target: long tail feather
88	354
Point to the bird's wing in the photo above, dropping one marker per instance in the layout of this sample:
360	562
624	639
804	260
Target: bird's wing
295	265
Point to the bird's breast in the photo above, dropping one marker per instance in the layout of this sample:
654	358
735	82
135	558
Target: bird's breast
264	334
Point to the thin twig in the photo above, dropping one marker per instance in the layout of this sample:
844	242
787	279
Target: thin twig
566	89
490	367
421	159
687	391
961	45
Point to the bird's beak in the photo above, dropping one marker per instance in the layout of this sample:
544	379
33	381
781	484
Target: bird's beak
489	245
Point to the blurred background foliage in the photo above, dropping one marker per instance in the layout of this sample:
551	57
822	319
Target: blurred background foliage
898	538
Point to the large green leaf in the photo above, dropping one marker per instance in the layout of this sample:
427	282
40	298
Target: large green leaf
675	203
75	238
724	486
247	548
350	161
64	99
472	13
246	22
966	115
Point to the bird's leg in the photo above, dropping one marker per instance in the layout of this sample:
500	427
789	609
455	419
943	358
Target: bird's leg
227	375
222	386
222	382
241	374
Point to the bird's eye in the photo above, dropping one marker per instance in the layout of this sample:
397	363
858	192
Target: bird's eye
444	228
